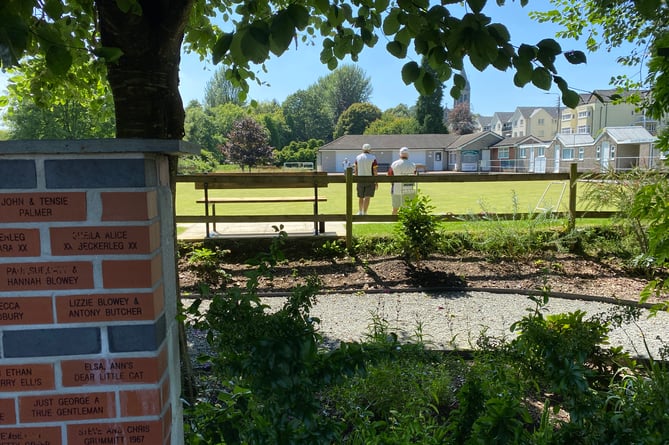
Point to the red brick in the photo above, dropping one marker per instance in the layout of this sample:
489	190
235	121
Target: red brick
50	435
7	413
129	206
147	433
134	370
19	243
131	273
25	310
60	407
27	377
109	307
39	207
141	402
105	240
46	276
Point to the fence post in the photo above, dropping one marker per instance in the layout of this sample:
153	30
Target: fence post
349	208
573	176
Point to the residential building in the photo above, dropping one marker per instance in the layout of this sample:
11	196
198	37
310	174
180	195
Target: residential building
598	110
541	122
618	148
502	124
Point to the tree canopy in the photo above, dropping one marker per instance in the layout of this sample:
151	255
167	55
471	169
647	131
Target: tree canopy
137	44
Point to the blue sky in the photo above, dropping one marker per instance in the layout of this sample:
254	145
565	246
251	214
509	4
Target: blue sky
491	90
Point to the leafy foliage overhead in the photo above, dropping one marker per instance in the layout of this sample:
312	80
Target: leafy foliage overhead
252	32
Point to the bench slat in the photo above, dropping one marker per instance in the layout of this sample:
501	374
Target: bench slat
262	199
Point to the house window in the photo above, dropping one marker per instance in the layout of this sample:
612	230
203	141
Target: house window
598	152
584	129
565	130
540	121
613	152
522	152
521	122
583	114
566	116
541	151
567	153
437	156
503	153
581	153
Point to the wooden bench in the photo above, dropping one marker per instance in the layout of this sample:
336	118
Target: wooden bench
231	181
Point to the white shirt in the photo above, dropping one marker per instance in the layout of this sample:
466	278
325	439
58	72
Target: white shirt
402	167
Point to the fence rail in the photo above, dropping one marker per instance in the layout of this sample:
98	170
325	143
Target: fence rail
319	180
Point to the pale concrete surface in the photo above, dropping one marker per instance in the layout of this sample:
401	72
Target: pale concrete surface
243	230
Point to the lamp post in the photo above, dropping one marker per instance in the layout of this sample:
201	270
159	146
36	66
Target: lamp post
559	118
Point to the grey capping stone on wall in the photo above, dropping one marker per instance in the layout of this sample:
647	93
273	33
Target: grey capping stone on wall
100	173
17	174
51	342
135	338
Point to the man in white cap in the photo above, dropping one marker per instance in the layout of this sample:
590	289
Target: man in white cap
400	191
365	165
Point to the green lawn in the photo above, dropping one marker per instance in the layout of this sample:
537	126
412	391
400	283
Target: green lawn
457	198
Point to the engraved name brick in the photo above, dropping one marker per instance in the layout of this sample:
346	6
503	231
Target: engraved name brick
25	310
46	276
29	436
113	371
35	377
123	240
131	273
147	433
56	408
7	414
37	207
19	243
109	307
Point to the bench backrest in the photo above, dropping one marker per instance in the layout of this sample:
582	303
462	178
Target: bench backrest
262	180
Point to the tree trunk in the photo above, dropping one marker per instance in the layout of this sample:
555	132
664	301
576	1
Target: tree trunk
145	80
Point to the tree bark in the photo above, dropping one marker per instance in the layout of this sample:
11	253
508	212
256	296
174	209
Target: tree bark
145	80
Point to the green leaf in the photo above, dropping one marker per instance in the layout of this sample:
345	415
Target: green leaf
129	6
396	49
426	83
549	46
391	23
221	47
282	32
476	5
648	8
499	32
523	76
410	72
109	54
54	9
575	57
459	81
571	99
527	52
58	59
381	5
299	15
542	78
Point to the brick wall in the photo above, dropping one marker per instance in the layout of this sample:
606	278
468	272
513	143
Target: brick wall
87	301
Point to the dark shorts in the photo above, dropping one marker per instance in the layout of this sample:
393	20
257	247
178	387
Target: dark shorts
366	190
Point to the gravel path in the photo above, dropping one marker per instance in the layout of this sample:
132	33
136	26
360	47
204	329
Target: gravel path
455	319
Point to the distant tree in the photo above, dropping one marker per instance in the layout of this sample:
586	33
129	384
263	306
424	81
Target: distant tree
220	91
298	152
356	119
270	114
429	112
401	110
247	144
389	124
344	87
461	120
208	127
307	116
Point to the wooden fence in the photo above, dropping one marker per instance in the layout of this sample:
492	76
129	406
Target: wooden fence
320	180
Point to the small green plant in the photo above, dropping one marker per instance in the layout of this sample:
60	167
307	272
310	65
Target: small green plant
417	229
205	263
